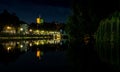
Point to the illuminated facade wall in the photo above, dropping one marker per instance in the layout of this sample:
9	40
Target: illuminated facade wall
39	20
23	29
9	29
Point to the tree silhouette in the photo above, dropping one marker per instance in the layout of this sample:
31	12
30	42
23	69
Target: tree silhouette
9	19
86	15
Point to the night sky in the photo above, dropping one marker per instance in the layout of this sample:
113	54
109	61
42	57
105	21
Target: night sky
28	10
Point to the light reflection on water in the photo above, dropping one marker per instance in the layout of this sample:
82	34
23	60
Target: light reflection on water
32	52
24	45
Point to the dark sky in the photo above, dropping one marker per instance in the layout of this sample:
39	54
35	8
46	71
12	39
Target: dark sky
28	10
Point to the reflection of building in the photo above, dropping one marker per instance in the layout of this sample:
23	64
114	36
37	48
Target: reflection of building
38	54
42	42
9	45
23	45
13	49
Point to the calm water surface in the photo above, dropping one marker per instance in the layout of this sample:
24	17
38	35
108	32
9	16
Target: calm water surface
33	55
52	55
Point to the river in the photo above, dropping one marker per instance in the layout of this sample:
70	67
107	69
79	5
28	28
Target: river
50	55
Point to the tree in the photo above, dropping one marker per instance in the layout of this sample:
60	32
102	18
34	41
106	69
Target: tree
77	24
86	15
9	19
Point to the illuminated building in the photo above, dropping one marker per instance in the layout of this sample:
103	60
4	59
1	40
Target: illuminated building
39	20
23	29
9	29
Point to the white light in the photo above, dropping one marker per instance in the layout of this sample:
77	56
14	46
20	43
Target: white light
21	46
30	30
30	44
8	48
18	42
21	29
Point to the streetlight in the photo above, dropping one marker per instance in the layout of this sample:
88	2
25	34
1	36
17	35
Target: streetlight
8	27
30	30
21	29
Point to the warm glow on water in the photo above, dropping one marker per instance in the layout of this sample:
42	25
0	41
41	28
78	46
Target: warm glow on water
38	53
30	53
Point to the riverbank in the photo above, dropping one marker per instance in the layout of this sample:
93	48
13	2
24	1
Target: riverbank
18	36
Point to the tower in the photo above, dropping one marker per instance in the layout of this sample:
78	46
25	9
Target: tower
39	20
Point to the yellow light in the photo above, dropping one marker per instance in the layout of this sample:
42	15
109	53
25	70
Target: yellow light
30	30
42	31
38	53
38	20
8	48
36	43
30	44
37	31
58	36
8	27
42	42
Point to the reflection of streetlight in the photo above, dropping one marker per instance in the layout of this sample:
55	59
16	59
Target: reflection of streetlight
8	48
21	46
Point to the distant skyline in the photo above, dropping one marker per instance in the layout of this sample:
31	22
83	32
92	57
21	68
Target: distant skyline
28	11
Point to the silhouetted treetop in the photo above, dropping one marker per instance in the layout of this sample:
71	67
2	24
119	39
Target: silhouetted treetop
7	18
